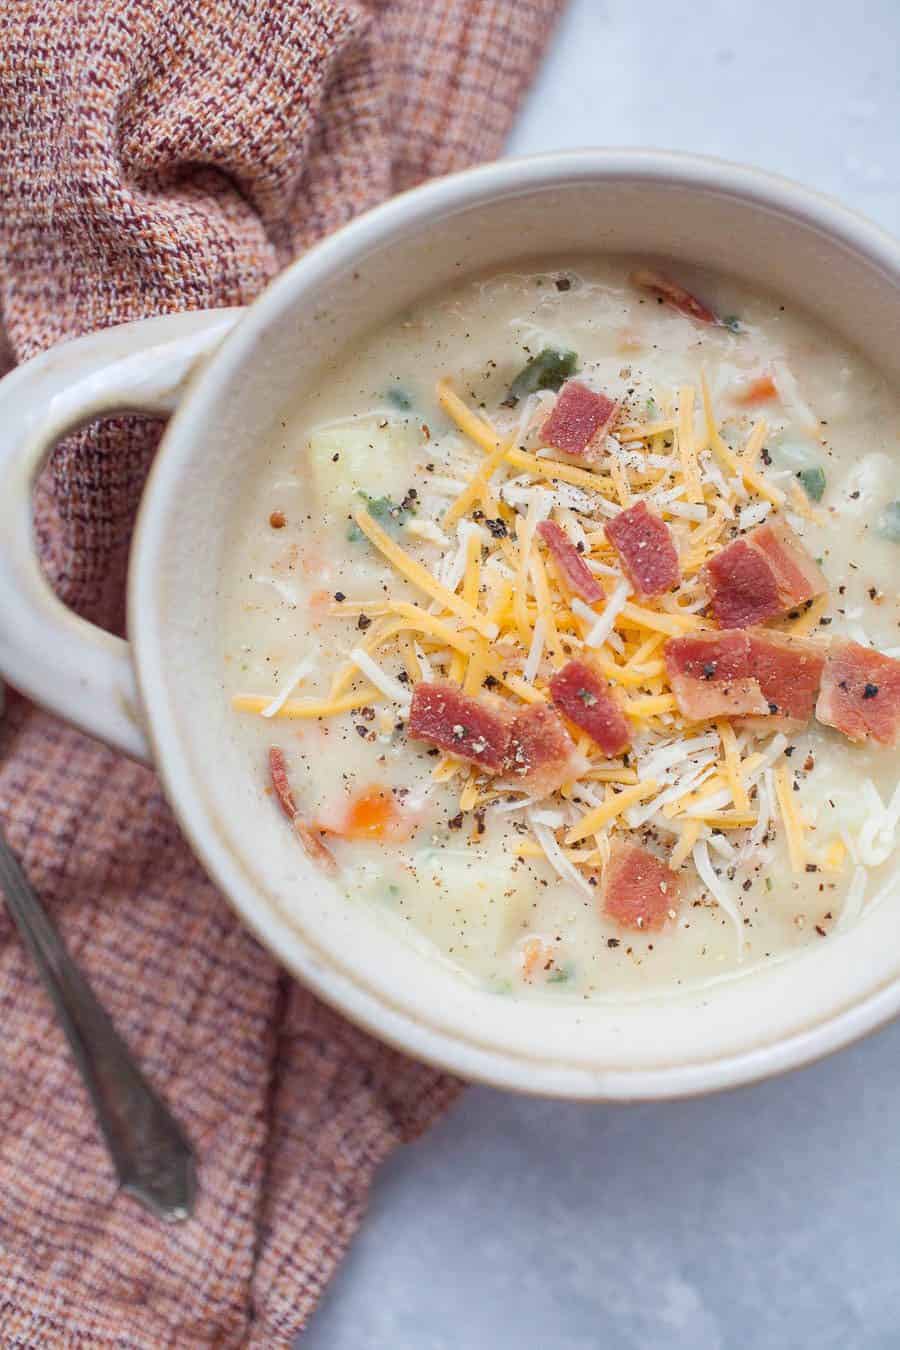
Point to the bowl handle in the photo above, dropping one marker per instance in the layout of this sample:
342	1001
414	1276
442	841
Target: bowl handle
61	661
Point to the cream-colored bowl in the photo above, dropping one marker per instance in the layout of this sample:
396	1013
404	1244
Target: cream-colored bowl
226	374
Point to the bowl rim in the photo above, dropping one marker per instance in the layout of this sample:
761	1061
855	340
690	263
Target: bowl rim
435	1045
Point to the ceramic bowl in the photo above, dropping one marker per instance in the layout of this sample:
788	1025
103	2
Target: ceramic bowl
225	375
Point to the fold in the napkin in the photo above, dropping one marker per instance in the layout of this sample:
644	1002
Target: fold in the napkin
160	155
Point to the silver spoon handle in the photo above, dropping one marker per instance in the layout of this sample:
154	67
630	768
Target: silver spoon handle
152	1157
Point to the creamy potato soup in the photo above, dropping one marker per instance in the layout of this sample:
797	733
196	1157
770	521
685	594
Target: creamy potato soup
561	623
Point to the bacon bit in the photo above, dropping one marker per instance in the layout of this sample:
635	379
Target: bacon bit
673	294
765	678
710	675
741	585
541	755
278	774
574	571
277	520
768	572
579	422
646	549
470	728
861	694
316	850
788	671
797	575
759	390
585	699
372	814
638	891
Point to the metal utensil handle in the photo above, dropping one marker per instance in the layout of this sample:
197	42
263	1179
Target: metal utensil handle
152	1156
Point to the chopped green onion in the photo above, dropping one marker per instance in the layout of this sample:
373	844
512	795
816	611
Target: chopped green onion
733	323
399	398
813	481
889	522
548	370
391	515
561	974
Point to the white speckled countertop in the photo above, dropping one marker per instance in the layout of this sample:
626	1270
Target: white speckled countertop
767	1219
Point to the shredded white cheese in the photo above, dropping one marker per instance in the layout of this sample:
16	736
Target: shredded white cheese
754	514
389	686
603	625
556	858
535	652
294	677
427	530
688	511
719	891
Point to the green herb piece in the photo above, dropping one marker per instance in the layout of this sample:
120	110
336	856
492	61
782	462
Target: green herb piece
768	883
548	370
391	515
652	410
732	323
813	481
889	522
399	398
561	974
393	890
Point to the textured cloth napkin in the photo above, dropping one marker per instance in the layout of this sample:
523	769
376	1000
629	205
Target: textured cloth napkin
160	155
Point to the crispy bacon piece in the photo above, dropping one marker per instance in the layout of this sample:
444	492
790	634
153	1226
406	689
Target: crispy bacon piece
638	889
760	676
741	584
673	294
316	850
766	573
574	571
797	576
542	754
584	698
646	549
788	671
579	422
468	727
860	694
710	675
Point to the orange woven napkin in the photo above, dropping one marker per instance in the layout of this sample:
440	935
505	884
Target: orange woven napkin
159	155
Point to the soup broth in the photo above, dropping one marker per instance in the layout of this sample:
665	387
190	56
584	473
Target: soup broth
414	524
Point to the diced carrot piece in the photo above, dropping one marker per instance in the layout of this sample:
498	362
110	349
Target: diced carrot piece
371	814
759	390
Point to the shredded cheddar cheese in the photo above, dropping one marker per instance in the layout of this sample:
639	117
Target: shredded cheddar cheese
614	805
299	708
421	577
497	616
793	825
733	764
